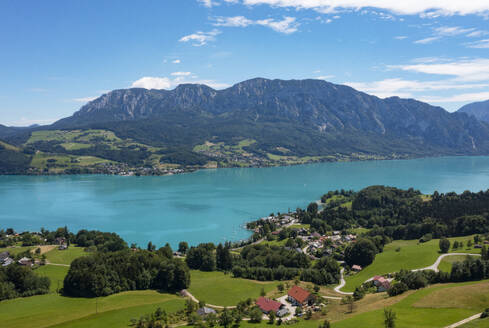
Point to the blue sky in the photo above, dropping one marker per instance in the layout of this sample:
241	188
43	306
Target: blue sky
57	55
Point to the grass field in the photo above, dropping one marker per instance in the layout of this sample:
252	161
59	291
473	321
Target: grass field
412	255
122	317
478	323
113	311
219	289
16	250
66	256
436	313
55	273
446	263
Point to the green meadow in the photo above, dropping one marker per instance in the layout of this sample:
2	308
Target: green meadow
52	309
403	254
65	256
221	289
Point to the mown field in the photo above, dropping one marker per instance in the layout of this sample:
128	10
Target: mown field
478	323
54	310
411	255
55	273
65	256
221	289
429	307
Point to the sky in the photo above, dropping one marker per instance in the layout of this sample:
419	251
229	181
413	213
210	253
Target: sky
57	55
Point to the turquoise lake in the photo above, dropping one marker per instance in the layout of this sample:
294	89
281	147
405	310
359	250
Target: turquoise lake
211	205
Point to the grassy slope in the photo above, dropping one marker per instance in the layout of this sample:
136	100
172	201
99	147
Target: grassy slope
410	312
66	256
49	310
16	250
55	273
122	317
478	323
411	256
446	263
219	289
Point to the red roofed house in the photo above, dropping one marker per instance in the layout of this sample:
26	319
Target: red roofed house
382	283
356	268
267	305
299	296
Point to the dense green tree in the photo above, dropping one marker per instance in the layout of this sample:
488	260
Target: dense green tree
389	318
361	252
183	247
444	245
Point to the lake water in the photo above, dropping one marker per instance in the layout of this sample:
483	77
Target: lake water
211	205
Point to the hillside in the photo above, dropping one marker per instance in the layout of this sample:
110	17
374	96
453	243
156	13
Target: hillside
478	109
258	122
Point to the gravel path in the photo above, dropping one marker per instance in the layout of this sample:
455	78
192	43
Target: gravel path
464	321
433	267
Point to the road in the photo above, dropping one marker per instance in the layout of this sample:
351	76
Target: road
342	284
185	292
433	267
464	321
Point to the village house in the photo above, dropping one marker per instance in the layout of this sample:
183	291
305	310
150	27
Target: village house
381	283
25	261
205	311
267	305
356	268
5	259
3	256
299	296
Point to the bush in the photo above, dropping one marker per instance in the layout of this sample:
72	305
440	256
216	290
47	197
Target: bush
397	289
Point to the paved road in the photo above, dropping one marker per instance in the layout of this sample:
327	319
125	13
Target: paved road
58	264
342	284
464	321
433	267
185	292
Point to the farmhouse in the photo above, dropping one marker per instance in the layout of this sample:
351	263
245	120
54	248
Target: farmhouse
381	283
25	261
356	268
205	311
299	296
268	305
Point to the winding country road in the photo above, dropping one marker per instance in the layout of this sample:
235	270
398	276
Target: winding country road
433	267
464	321
342	284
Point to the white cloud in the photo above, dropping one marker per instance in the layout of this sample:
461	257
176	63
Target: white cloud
200	38
149	82
84	99
325	77
154	82
481	44
452	30
464	97
428	40
24	121
287	25
430	8
208	3
406	88
400	37
181	73
176	61
461	70
477	34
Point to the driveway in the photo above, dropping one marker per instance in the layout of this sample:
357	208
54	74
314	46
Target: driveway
289	307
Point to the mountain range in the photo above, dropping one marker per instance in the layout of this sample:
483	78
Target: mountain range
478	109
263	122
